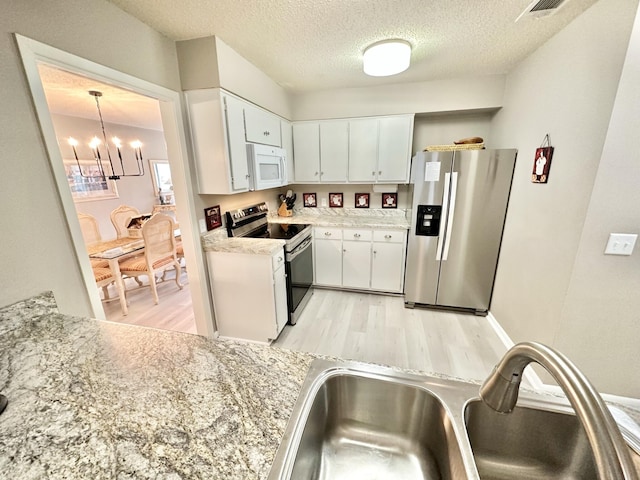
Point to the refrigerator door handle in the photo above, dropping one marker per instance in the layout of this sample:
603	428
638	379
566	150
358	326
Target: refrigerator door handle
451	213
443	223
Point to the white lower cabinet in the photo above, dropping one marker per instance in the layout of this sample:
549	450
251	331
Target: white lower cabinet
263	317
327	249
364	259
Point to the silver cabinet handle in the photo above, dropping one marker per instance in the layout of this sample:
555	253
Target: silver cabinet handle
316	174
344	250
373	173
247	176
356	235
321	173
375	251
379	172
280	259
387	236
328	234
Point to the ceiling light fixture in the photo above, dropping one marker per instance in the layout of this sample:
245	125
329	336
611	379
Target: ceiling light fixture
387	57
95	143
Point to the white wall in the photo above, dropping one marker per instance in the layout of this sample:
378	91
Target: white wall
457	94
567	89
209	63
37	253
442	129
138	192
602	307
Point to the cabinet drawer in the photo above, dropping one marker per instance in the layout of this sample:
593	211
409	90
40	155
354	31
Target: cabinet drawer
329	233
388	236
277	260
362	235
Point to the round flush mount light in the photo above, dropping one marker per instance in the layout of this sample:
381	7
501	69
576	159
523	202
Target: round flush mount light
387	57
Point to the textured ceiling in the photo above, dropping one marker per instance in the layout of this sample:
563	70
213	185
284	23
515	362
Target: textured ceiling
68	94
317	44
307	45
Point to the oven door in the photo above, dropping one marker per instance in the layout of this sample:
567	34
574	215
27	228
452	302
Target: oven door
299	268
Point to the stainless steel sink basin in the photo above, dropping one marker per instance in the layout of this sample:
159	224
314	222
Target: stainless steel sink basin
358	421
528	443
357	424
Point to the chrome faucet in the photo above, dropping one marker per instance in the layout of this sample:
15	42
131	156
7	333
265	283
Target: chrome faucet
500	392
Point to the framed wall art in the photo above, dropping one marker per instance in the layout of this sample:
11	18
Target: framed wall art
335	200
389	200
542	161
362	200
87	183
310	200
212	217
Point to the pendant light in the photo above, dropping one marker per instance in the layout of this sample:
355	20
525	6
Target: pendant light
95	143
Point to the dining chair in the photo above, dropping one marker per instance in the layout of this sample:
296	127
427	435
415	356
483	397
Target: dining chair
120	218
91	234
103	278
159	252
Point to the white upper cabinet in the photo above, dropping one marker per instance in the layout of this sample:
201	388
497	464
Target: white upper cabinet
286	132
334	150
217	130
380	149
261	126
395	138
363	149
357	150
321	151
306	152
221	124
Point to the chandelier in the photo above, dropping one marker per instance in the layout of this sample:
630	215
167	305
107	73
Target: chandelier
99	158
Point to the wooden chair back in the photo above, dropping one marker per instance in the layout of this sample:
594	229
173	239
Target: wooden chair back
159	240
120	218
90	229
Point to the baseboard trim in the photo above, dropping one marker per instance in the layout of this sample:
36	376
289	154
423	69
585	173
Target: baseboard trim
536	382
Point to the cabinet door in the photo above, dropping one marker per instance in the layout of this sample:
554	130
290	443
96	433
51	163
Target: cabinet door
306	151
328	262
234	114
363	150
280	293
287	144
261	126
356	264
387	266
334	150
394	148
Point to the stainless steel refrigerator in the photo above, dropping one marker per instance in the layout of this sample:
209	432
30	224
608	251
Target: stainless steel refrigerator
459	206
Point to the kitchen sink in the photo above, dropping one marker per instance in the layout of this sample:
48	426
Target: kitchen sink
528	443
352	423
360	421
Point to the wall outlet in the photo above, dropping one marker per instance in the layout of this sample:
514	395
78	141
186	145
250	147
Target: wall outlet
323	202
620	244
202	225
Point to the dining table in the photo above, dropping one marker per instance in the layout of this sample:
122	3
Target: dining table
114	251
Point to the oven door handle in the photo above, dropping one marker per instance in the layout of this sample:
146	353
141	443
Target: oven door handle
299	249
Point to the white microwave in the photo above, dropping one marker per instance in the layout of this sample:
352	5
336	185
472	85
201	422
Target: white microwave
267	166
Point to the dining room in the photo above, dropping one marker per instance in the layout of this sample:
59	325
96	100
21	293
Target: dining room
116	163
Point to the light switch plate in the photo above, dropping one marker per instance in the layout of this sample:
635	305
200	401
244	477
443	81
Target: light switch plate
202	224
620	244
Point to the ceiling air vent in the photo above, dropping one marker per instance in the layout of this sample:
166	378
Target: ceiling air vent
541	8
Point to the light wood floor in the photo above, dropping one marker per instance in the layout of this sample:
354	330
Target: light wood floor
378	329
173	312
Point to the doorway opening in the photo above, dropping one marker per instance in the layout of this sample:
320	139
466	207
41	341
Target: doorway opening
147	190
34	55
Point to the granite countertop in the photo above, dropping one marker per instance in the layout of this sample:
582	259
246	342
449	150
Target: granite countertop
347	217
218	241
255	246
99	400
